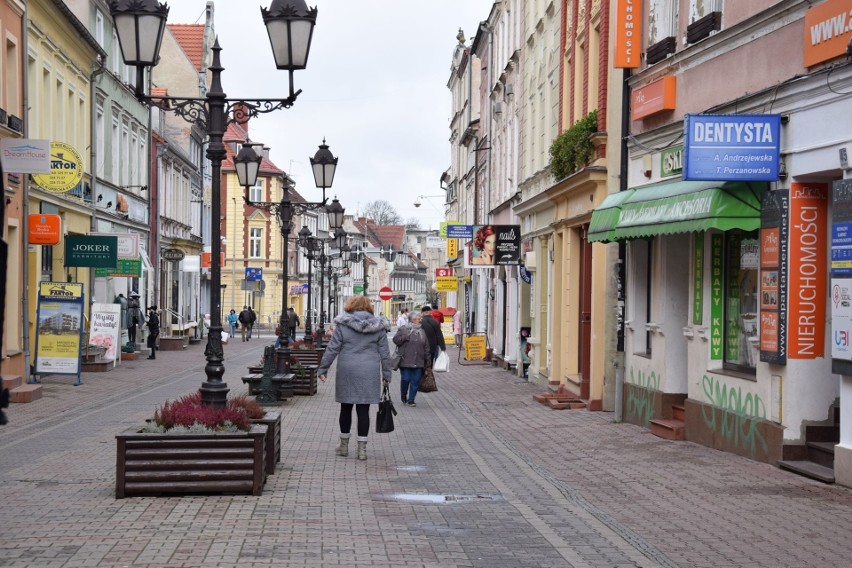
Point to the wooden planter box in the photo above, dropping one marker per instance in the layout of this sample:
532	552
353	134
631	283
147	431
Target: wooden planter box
163	464
272	445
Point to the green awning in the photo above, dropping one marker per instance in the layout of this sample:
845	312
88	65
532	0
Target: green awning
686	206
605	217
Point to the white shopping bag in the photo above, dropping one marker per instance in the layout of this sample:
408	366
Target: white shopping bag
225	337
442	363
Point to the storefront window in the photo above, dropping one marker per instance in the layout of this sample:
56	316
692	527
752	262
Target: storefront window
741	301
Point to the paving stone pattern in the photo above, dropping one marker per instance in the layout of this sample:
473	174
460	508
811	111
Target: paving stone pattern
477	475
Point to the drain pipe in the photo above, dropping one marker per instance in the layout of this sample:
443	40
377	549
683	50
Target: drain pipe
621	267
25	222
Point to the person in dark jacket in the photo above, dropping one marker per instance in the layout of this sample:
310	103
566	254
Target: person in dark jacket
415	355
433	332
153	331
252	319
360	345
293	322
245	321
135	317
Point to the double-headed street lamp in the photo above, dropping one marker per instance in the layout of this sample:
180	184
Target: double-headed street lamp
140	25
361	253
284	211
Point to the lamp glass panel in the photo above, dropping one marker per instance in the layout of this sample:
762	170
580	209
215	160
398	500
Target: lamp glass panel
301	31
125	27
150	36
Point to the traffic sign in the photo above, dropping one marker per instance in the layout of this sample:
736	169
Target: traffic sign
254	273
386	293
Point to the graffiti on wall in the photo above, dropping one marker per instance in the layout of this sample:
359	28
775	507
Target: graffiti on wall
739	416
640	401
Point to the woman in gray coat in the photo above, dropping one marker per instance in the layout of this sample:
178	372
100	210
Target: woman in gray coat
360	340
415	355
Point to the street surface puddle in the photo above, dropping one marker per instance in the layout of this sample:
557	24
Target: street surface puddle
412	468
438	498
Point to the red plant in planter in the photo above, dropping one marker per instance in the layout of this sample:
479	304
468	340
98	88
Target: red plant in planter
252	409
188	410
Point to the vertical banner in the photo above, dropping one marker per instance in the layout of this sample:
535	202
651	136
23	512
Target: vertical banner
841	277
774	229
808	249
717	296
698	277
105	330
628	33
60	328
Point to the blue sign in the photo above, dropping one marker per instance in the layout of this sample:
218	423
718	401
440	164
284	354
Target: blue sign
841	249
254	274
742	147
459	231
525	274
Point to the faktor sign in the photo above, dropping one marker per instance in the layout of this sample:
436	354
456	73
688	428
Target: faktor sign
743	147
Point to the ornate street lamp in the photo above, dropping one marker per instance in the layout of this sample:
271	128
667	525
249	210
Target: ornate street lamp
324	165
140	25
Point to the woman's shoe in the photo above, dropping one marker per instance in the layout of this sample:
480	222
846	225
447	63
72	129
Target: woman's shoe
410	403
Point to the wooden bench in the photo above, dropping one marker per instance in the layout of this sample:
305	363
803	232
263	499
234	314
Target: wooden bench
307	356
304	379
284	383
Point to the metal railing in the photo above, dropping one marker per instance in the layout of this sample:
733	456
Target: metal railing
172	316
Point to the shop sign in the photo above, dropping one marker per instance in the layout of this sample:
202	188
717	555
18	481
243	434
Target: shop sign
442	228
443	272
60	328
207	257
44	229
173	255
434	242
654	98
717	296
525	274
841	277
743	147
459	231
124	268
671	162
494	245
808	249
474	347
128	243
105	329
66	169
698	278
26	155
628	30
828	29
774	232
452	248
446	284
94	252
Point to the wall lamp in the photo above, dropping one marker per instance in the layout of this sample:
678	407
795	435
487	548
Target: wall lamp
139	187
418	202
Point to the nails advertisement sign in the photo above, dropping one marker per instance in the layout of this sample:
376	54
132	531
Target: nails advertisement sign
494	245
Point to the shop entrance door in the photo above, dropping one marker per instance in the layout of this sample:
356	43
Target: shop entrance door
584	347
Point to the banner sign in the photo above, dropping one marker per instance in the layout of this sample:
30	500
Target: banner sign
44	229
459	231
128	243
60	328
628	30
807	269
827	31
717	296
452	248
494	245
525	274
94	252
25	155
841	277
474	347
66	169
434	242
698	278
774	229
124	268
446	284
105	330
742	147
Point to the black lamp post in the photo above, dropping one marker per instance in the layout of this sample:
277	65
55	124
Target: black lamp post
140	25
360	254
308	242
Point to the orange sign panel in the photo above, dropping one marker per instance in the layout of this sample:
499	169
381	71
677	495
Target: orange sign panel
207	258
628	30
807	269
45	229
654	97
828	28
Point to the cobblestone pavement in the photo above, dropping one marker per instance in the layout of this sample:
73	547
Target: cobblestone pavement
478	474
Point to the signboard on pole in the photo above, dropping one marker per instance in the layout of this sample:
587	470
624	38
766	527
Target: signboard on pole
25	155
94	252
66	169
60	328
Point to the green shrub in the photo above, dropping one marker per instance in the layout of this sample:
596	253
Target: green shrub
573	148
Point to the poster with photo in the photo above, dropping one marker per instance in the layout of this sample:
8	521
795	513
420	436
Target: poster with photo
60	328
494	245
105	330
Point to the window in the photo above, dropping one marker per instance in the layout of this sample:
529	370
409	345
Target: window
741	273
99	27
256	192
10	67
662	30
255	240
113	145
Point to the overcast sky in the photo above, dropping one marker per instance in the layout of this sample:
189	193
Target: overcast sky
375	88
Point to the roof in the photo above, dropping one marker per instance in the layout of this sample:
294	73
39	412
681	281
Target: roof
190	37
381	235
237	133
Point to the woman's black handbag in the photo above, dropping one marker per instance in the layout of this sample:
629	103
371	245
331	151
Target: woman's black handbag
384	418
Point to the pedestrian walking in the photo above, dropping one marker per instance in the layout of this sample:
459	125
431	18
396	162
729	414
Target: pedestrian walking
457	328
135	318
433	332
293	322
232	322
153	331
403	318
245	321
415	355
252	319
361	347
